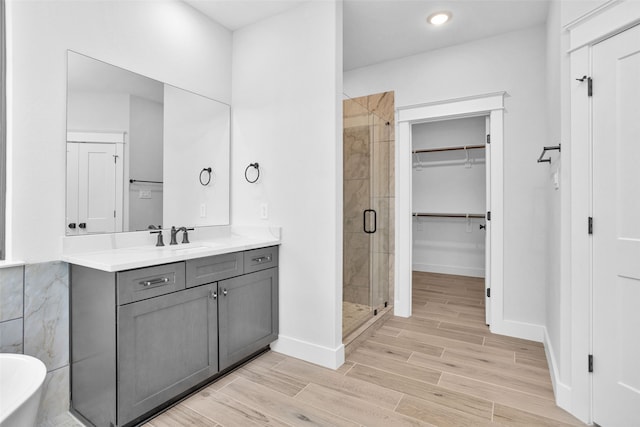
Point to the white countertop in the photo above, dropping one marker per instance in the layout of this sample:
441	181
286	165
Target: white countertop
125	251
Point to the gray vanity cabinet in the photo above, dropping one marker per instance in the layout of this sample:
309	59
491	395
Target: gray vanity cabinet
248	315
145	337
166	345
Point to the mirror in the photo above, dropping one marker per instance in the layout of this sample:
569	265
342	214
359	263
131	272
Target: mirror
142	154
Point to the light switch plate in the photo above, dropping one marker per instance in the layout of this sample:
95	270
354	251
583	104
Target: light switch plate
264	211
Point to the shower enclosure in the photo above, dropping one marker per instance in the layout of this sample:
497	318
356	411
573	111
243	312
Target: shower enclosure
368	208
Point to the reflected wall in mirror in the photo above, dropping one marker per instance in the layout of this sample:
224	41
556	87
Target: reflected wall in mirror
135	150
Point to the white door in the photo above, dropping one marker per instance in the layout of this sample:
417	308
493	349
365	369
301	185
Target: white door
97	187
487	250
616	230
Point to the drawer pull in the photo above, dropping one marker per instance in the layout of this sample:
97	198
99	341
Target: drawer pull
155	281
260	259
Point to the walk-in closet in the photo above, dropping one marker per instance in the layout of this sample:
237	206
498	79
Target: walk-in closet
449	194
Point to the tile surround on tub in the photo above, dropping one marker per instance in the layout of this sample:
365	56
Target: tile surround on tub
55	397
11	336
46	313
11	293
34	321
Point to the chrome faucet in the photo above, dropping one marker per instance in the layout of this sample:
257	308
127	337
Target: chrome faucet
185	235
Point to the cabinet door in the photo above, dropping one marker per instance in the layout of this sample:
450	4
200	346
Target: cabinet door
248	315
166	345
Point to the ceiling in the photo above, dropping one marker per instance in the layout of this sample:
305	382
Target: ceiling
382	30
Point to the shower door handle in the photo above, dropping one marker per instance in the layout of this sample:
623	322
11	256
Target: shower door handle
375	221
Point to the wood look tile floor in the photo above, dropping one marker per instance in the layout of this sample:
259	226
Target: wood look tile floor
440	367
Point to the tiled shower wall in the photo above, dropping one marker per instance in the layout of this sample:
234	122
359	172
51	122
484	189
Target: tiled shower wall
34	320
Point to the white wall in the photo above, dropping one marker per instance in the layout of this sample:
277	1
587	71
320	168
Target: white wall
98	111
442	183
165	40
196	137
512	63
287	116
558	303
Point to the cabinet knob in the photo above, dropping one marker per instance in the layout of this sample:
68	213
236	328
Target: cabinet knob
224	292
82	225
72	225
213	295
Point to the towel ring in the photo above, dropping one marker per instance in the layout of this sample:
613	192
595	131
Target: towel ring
256	166
208	177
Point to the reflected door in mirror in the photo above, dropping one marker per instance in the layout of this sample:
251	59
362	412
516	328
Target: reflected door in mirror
94	182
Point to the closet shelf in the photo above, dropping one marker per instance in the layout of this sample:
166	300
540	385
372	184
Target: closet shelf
448	215
461	147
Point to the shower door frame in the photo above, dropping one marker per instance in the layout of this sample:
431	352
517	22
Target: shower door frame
489	105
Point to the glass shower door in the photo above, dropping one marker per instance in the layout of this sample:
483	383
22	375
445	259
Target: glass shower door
366	214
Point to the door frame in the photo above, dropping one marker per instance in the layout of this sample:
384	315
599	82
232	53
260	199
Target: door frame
491	105
607	20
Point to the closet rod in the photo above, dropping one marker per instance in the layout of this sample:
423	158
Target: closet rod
448	215
141	180
433	150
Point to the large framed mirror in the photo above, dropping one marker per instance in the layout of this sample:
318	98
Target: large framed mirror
142	154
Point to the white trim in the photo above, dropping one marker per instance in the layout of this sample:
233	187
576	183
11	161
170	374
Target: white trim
606	21
403	226
491	105
449	269
331	358
96	136
454	108
590	14
495	96
561	391
580	241
513	328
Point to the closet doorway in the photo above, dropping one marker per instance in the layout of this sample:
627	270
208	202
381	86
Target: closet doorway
450	198
368	190
449	185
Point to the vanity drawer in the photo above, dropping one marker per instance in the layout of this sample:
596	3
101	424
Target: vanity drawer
201	271
260	259
143	283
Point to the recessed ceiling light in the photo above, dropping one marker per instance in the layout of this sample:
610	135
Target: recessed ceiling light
439	18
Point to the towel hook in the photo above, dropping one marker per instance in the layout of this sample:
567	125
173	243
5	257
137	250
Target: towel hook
256	166
208	177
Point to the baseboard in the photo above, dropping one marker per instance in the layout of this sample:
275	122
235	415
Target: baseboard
561	391
523	330
331	358
449	269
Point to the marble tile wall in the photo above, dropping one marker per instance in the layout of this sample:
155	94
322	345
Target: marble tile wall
34	320
11	309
